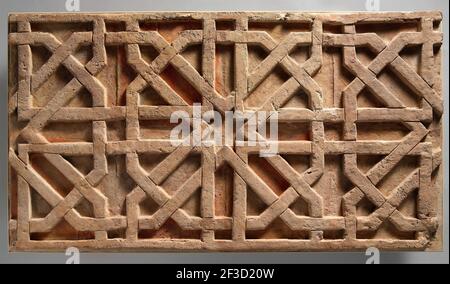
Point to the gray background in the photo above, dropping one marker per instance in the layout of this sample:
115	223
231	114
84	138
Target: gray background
7	6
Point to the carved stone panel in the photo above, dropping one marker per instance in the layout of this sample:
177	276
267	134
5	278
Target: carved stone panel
358	101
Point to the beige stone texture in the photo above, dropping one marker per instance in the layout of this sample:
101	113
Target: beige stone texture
359	104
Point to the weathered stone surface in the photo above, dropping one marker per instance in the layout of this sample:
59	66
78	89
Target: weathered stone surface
359	106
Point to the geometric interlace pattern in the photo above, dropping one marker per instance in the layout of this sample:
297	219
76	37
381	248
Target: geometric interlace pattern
359	108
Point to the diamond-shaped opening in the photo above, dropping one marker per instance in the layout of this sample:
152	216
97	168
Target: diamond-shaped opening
223	191
268	174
